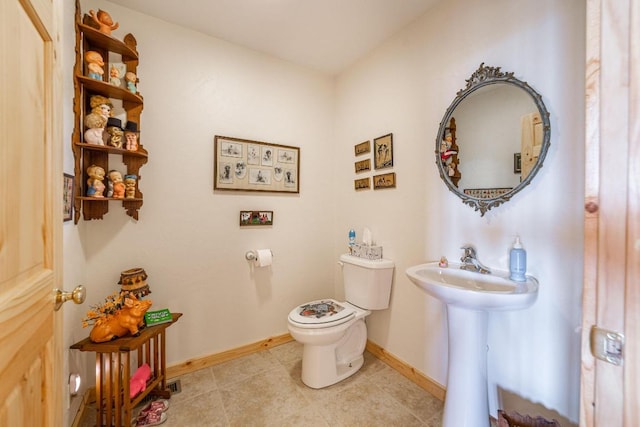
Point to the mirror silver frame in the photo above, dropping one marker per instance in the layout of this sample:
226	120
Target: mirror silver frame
482	77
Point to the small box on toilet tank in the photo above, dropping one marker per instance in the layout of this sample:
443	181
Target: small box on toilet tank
361	250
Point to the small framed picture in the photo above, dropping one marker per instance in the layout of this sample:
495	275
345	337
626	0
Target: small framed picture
363	165
256	218
362	184
67	197
117	70
387	180
383	152
363	147
517	163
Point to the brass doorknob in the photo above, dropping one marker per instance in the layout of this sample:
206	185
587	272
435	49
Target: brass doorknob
78	295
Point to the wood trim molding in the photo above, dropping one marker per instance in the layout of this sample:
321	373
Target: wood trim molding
88	397
420	379
217	358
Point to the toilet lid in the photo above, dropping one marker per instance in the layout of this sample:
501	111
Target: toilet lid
322	312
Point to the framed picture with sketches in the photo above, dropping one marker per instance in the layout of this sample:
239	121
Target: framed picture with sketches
256	218
363	147
387	180
363	165
383	151
67	197
245	165
362	184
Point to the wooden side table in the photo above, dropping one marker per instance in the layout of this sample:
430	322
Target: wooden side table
113	371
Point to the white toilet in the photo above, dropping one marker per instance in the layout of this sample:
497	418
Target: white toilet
334	333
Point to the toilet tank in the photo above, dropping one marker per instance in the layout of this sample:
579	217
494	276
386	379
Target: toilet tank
367	282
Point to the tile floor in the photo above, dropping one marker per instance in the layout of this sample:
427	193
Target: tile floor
264	389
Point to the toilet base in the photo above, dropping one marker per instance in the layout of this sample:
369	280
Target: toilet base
314	378
327	364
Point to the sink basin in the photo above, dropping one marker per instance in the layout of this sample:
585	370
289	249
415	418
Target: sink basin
469	289
470	297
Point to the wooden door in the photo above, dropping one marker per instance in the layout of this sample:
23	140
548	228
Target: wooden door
31	386
611	297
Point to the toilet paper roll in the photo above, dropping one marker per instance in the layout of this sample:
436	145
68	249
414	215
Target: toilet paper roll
264	257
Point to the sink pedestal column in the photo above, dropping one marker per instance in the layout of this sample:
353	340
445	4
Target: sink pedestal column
467	401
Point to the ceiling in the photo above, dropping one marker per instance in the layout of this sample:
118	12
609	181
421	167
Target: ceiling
326	35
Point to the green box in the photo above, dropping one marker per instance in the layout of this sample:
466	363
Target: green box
157	317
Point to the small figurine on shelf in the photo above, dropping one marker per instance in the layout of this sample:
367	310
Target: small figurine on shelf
116	185
94	64
109	191
445	149
95	186
100	112
104	21
113	133
101	105
131	136
95	123
130	186
114	76
131	78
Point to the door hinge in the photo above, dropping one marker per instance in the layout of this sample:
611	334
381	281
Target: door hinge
607	345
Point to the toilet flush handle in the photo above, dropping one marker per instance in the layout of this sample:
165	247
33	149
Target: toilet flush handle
341	264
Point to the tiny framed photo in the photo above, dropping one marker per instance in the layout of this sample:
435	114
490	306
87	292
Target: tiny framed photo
256	218
383	151
117	70
363	165
517	163
362	148
387	180
67	197
362	184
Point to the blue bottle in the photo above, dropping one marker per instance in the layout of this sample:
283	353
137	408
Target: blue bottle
352	237
517	262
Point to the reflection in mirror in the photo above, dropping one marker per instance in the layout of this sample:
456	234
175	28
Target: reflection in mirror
492	139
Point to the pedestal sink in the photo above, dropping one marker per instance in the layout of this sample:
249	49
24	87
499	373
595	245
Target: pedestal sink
469	297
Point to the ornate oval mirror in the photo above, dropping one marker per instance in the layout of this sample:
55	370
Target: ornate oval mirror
493	139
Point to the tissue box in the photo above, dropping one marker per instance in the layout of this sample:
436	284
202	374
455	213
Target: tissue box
365	251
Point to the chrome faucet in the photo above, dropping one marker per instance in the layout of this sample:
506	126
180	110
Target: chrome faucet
470	261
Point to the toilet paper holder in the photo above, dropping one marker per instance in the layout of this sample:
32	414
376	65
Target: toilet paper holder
252	255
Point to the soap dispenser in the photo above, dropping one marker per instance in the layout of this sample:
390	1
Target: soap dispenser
517	262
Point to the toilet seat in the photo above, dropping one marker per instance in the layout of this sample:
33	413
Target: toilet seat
324	313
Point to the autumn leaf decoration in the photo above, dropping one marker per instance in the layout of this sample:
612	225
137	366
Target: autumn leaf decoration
100	312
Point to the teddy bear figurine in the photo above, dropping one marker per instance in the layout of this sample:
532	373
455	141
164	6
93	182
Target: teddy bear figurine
104	21
95	186
94	63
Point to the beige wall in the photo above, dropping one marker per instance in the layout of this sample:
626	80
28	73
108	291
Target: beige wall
405	87
189	241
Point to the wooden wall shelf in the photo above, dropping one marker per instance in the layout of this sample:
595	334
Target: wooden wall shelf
85	154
